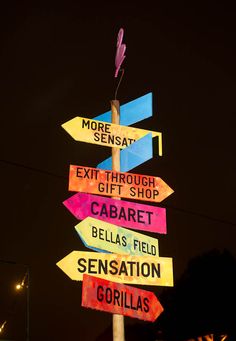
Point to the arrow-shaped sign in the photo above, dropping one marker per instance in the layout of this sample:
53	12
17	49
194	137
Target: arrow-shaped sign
103	133
118	212
118	268
102	236
120	299
118	184
131	112
141	150
134	155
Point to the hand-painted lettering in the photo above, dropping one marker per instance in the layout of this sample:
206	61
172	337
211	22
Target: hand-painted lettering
100	295
94	232
144	193
118	184
145	247
130	179
117	297
96	125
78	172
87	173
109	188
91	266
81	262
94	203
114	267
134	268
122	298
146	306
126	213
108	236
112	139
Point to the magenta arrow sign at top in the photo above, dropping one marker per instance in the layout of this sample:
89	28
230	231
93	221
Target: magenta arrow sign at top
119	212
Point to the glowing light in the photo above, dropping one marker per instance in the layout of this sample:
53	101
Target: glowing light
23	283
18	286
2	326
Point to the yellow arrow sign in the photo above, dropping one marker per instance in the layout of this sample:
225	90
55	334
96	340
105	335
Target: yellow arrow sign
100	235
119	268
106	134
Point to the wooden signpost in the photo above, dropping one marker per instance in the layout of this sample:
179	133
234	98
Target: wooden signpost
118	320
119	212
121	299
102	236
133	258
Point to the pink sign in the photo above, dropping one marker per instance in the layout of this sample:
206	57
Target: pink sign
118	212
120	51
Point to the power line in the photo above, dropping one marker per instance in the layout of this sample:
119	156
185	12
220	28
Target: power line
42	171
201	215
33	169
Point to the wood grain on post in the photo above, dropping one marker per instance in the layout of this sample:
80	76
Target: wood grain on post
118	320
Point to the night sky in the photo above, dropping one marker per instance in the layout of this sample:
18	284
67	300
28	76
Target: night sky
57	62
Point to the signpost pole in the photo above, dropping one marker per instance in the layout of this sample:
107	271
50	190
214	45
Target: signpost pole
118	320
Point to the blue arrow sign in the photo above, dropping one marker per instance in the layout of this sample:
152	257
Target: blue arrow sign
132	156
141	150
131	112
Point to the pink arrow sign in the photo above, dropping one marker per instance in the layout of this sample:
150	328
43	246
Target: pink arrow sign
120	299
118	212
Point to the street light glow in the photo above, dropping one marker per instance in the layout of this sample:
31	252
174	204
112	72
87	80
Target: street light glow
23	284
18	286
2	326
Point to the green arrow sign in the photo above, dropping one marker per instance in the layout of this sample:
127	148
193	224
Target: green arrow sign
102	236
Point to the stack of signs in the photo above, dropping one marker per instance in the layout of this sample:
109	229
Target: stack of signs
123	256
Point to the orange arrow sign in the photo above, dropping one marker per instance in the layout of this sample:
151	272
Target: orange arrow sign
118	184
120	299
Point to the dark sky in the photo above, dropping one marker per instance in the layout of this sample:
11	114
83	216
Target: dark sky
57	62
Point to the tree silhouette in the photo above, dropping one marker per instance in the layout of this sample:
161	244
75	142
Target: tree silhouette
200	307
202	301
